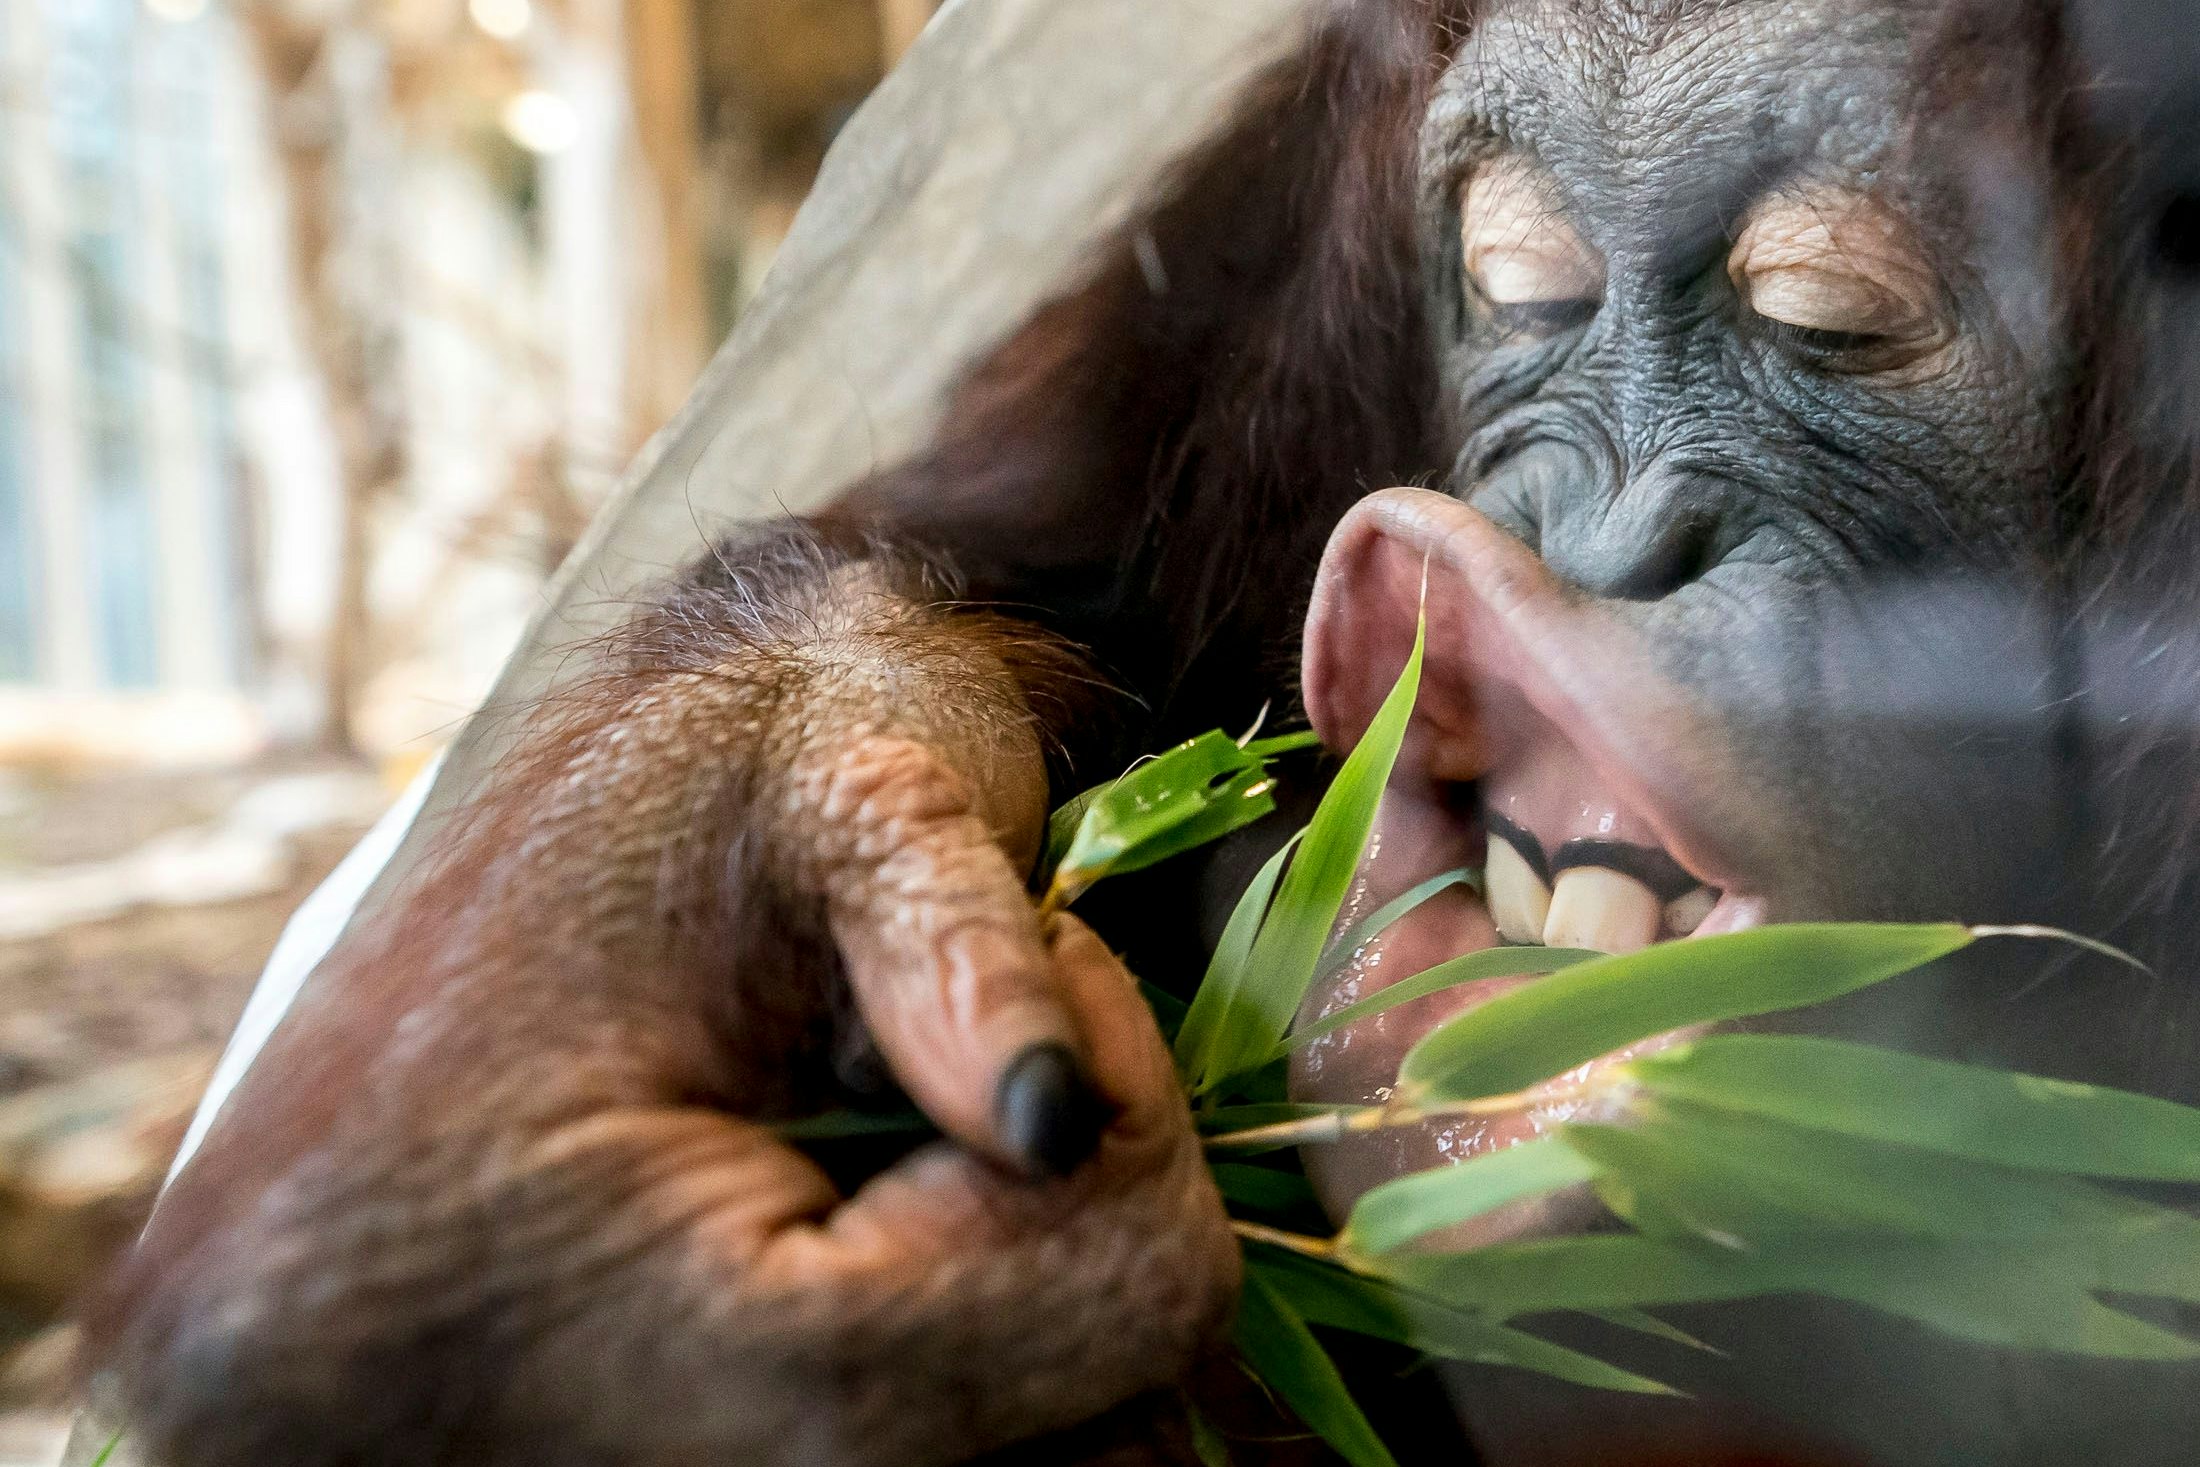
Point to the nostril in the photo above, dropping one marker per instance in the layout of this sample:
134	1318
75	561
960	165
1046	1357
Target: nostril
1635	556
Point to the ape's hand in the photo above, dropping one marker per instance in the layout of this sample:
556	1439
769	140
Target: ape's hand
506	1187
948	1305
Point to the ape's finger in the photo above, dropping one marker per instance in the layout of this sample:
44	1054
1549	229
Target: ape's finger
945	957
1129	1057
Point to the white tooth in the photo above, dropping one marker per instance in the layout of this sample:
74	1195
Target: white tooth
1519	901
1597	908
1685	913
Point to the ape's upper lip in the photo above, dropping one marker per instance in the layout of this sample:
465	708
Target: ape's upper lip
1505	636
1520	674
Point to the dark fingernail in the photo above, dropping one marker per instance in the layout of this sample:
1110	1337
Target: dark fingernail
1047	1111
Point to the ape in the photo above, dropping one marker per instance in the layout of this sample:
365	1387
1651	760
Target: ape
1804	533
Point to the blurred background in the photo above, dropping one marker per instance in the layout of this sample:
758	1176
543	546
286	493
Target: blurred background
325	325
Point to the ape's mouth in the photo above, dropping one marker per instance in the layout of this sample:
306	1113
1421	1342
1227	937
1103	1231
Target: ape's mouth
1546	749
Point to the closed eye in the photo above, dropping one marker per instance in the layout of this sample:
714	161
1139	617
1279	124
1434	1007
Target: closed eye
1816	341
1835	276
1542	318
1527	269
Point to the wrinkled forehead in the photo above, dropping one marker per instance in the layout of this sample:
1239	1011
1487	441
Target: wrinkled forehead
1623	98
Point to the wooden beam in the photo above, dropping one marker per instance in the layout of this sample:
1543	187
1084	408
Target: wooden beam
675	336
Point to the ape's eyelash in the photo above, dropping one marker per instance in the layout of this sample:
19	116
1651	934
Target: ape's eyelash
1540	318
1818	345
1818	338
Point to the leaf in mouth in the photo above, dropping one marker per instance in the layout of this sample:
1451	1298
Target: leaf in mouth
1746	1165
1492	962
1546	1028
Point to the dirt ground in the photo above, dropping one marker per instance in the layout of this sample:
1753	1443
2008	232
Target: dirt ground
135	913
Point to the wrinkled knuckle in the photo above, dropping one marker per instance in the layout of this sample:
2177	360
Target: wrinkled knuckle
879	778
1153	1145
876	795
958	879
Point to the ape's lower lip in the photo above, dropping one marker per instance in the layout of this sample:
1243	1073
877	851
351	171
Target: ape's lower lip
1547	709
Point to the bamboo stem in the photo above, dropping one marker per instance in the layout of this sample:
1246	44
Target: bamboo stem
1301	1243
1059	895
1336	1125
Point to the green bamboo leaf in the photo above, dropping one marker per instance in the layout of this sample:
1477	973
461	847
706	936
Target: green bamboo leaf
1548	1027
1289	743
1281	966
835	1125
1224	1124
1493	962
1588	1273
1283	1352
2022	1121
1234	803
1403	1209
1331	1295
108	1450
1168	1009
1356	937
2003	1302
1784	1191
1761	1182
1642	1322
1199	790
1225	1119
1265	1084
2153	1255
2018	1295
1195	1040
1063	824
1263	1188
1334	1298
1500	1344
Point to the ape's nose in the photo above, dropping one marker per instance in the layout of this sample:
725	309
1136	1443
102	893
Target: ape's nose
1660	532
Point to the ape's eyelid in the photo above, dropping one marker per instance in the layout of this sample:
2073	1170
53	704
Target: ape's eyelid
1834	261
1517	246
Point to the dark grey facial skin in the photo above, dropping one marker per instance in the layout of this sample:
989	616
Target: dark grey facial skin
1847	559
1858	574
1725	449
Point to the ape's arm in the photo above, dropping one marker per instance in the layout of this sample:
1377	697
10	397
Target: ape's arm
496	1191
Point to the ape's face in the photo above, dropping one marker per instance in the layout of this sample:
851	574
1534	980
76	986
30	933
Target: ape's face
1744	592
1722	323
1728	347
1739	595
